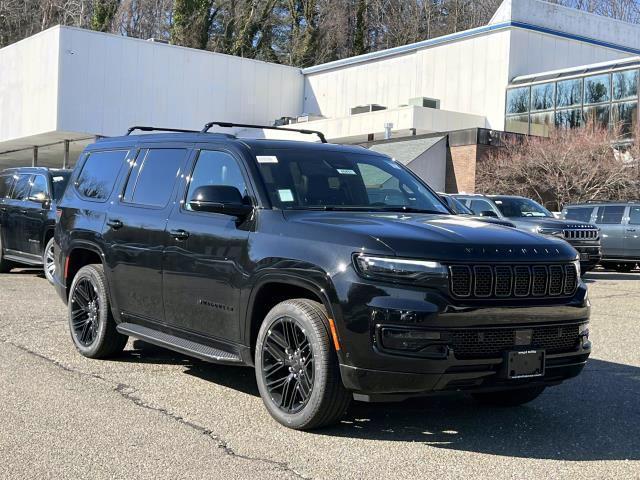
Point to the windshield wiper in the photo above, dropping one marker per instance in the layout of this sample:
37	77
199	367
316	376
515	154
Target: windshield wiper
412	210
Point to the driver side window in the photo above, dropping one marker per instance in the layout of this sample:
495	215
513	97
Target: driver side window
383	188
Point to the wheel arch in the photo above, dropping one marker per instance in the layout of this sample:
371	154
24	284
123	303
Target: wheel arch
79	255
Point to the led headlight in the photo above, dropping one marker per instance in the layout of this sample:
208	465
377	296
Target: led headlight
399	269
554	232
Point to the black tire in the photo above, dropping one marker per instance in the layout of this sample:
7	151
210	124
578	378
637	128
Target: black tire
92	327
48	261
508	398
327	399
5	265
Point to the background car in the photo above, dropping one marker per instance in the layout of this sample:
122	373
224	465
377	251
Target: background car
28	199
529	215
460	208
619	224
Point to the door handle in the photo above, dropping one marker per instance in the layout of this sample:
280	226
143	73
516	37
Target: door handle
180	234
631	229
115	223
23	211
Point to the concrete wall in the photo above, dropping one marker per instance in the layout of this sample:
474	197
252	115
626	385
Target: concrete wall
431	165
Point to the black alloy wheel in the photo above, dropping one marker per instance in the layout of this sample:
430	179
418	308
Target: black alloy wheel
85	311
288	365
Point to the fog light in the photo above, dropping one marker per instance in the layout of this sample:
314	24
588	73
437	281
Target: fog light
409	340
583	330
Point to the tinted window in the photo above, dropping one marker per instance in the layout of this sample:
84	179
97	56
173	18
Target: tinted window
518	100
597	89
597	115
39	188
634	216
21	187
216	168
479	206
542	96
6	181
569	118
521	207
610	215
60	181
99	173
625	84
517	124
153	175
569	93
581	214
625	117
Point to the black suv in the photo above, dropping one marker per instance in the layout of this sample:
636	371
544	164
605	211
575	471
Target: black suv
28	198
333	270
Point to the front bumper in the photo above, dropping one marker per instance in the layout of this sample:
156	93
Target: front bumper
590	255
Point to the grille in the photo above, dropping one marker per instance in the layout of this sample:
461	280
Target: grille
491	343
505	281
580	234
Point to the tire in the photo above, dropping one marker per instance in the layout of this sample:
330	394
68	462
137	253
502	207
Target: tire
623	267
5	265
508	398
92	327
48	261
312	367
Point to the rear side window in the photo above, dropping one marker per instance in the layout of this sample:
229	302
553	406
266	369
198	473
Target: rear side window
6	181
582	214
39	189
479	206
153	175
610	215
21	188
634	216
99	173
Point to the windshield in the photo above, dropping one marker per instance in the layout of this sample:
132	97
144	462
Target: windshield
338	180
521	207
59	180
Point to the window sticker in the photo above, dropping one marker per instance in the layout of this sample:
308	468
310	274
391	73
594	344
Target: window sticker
58	179
285	195
267	159
346	171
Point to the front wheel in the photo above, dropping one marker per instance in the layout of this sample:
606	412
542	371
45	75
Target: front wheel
49	261
509	398
297	367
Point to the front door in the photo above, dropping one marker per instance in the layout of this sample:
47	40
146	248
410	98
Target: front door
135	232
632	233
609	219
15	216
203	267
36	207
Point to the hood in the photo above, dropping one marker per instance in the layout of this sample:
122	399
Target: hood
437	237
532	223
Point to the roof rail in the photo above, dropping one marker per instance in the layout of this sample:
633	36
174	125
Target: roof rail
612	201
263	127
157	129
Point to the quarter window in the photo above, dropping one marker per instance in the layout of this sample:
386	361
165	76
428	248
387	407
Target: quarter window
153	176
610	215
99	173
634	216
582	214
21	187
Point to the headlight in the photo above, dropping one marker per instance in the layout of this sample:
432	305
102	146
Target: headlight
554	232
399	269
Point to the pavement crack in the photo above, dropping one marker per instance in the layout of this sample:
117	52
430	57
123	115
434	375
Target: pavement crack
128	393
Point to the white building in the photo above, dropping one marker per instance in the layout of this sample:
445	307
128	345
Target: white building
72	84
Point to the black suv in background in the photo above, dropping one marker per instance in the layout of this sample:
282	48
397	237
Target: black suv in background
333	270
28	198
529	215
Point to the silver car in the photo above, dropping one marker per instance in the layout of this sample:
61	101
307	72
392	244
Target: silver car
619	224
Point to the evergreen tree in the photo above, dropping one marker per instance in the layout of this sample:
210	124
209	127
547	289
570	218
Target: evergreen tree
104	12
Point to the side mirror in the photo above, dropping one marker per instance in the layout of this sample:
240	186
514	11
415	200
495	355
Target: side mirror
219	199
488	213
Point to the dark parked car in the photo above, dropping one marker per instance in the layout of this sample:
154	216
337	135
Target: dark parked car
619	223
459	208
333	270
28	198
529	215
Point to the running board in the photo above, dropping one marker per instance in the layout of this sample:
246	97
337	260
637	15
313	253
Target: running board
178	344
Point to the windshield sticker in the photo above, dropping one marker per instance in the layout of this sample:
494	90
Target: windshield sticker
267	159
346	171
285	195
58	179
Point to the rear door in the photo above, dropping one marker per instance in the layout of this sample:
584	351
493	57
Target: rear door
35	218
6	183
135	230
609	219
632	233
15	216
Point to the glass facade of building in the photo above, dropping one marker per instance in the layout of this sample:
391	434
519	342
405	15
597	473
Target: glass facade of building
610	99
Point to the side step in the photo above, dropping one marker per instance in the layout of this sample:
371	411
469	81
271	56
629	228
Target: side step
181	345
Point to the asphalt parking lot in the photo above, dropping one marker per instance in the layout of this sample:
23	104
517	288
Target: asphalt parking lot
155	414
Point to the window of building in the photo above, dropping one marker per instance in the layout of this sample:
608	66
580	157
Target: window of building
517	124
597	115
625	117
634	216
569	93
570	118
597	89
518	100
99	173
21	188
542	123
216	168
153	176
625	85
39	189
542	96
610	215
6	181
580	214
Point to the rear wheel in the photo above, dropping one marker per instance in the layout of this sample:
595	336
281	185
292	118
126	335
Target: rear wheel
91	323
509	398
297	368
48	261
5	265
